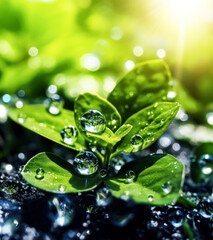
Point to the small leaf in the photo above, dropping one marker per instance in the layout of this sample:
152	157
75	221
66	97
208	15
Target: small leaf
51	173
39	120
146	84
153	174
87	101
148	124
123	130
104	139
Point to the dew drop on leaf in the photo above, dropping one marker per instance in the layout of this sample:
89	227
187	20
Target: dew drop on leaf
40	173
167	187
22	117
150	197
103	197
85	163
55	104
61	188
136	141
130	176
69	134
93	121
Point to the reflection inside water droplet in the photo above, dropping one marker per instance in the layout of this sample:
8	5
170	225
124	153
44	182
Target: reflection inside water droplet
93	121
167	187
130	176
136	141
69	134
85	163
39	173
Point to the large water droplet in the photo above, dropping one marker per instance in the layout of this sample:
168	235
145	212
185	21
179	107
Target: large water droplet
167	187
85	163
150	197
39	173
93	121
136	141
130	176
69	134
104	197
55	104
22	117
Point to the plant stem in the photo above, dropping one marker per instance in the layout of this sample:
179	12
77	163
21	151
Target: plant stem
106	158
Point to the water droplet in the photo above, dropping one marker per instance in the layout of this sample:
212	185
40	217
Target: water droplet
69	134
103	173
206	164
167	187
39	173
103	197
130	176
22	117
150	198
176	217
136	141
206	170
55	104
162	122
61	210
62	188
93	121
85	163
156	104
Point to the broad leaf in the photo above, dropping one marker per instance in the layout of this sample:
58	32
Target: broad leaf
87	101
146	84
58	176
159	179
39	120
149	124
123	130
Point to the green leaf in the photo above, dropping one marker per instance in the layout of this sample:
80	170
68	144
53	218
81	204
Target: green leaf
149	123
123	130
152	173
188	231
146	84
59	175
183	200
104	139
39	120
87	101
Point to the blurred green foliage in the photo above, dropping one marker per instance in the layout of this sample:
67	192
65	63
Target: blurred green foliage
85	45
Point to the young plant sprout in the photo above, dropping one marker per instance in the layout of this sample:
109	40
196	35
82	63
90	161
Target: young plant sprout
133	117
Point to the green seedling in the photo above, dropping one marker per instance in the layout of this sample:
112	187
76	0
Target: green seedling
133	117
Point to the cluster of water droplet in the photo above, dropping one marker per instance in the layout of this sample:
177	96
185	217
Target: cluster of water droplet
69	134
93	121
85	163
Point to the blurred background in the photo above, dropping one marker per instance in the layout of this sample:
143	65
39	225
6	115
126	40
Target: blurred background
73	46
